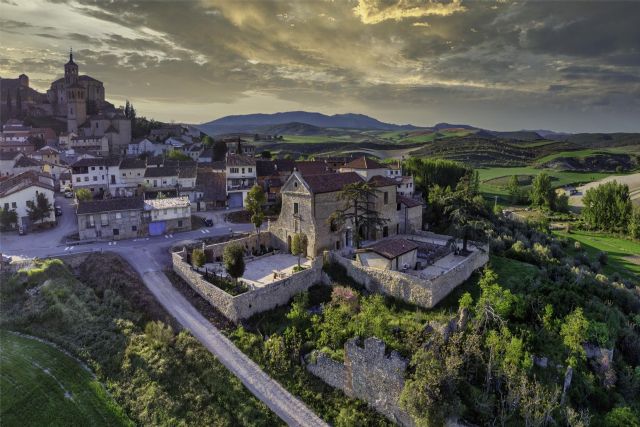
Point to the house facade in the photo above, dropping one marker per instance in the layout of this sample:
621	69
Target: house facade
97	175
168	215
112	219
18	192
241	177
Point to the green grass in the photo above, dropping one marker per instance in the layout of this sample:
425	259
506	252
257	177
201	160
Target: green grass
619	249
317	139
512	273
43	386
579	154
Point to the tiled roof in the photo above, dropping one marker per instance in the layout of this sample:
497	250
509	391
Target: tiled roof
99	161
9	155
170	202
364	163
311	168
265	167
133	163
48	150
327	183
110	205
381	181
392	248
25	180
188	172
212	185
26	162
284	165
410	203
240	160
160	171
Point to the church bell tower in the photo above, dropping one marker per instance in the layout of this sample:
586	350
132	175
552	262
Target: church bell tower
76	96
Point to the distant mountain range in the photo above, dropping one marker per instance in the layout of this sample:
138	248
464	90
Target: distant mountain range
251	122
309	123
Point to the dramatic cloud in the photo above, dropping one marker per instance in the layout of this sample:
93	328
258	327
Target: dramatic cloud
503	65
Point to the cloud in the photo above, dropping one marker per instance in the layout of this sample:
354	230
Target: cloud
376	11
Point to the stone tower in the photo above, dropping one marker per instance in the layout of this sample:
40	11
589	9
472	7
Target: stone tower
76	96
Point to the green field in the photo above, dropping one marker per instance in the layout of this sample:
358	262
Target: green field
624	255
43	386
579	154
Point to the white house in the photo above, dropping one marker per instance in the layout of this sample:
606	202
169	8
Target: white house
97	174
241	176
19	191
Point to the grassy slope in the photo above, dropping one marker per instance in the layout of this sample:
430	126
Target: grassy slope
36	377
617	248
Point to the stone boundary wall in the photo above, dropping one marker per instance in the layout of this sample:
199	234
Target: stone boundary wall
250	242
243	306
367	374
422	292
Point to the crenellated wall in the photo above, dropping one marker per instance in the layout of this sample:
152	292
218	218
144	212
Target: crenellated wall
367	374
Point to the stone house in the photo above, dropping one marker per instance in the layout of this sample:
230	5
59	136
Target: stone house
389	254
115	219
309	201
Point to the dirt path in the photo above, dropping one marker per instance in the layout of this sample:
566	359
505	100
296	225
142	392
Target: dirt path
633	181
290	409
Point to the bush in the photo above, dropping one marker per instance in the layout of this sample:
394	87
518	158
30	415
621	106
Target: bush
603	258
198	258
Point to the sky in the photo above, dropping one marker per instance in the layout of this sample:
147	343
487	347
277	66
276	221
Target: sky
503	65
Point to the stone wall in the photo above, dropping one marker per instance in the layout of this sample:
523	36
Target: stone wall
367	374
243	306
422	292
250	243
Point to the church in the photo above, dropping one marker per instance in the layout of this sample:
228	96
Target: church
80	99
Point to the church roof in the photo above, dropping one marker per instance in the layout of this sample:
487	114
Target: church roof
330	182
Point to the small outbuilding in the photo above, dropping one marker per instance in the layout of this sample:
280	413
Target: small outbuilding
389	254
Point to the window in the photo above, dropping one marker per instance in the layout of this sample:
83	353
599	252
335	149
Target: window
14	205
180	223
398	206
78	179
86	178
385	231
93	168
295	208
133	214
95	178
116	232
100	167
386	197
234	170
175	210
6	206
90	221
124	174
104	219
242	170
92	189
250	170
118	215
134	228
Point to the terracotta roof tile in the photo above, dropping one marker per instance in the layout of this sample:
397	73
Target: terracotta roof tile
110	205
364	163
327	183
392	248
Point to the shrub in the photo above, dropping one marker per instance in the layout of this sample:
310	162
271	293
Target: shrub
198	258
577	246
603	258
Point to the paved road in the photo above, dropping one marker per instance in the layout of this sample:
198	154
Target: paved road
148	256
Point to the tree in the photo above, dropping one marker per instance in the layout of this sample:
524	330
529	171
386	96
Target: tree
574	333
298	245
516	193
8	217
233	260
542	193
207	141
430	172
40	209
634	223
467	214
358	208
607	207
219	150
254	202
198	258
126	108
177	155
82	194
266	154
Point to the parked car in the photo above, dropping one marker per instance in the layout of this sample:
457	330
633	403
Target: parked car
208	222
58	210
68	194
